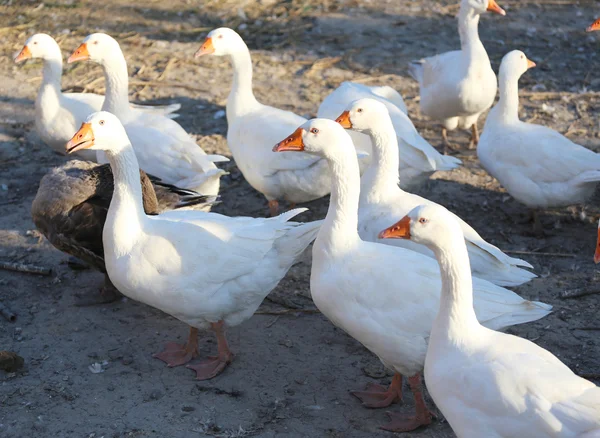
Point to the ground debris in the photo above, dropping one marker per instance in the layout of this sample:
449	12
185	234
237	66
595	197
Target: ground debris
10	361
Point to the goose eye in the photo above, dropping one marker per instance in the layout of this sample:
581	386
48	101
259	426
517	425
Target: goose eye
314	130
220	36
359	110
422	220
101	122
35	42
96	42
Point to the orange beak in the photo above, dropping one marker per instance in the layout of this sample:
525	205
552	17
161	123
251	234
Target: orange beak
594	26
24	54
81	54
400	230
597	253
530	64
205	49
344	120
493	7
292	143
83	139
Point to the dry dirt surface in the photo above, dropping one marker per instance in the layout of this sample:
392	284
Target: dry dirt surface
293	369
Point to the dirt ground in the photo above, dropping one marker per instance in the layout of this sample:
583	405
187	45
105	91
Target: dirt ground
293	369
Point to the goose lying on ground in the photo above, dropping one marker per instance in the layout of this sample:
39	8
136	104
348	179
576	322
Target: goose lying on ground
253	128
71	205
538	166
58	115
382	200
205	269
383	296
162	146
458	86
490	384
418	159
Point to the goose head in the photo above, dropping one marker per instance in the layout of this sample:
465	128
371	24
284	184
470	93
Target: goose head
429	225
317	137
594	26
101	131
482	6
363	114
97	47
41	46
222	42
515	63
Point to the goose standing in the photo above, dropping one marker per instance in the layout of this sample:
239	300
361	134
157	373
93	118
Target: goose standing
458	86
253	128
418	159
538	166
486	383
72	201
355	283
382	200
162	146
205	269
58	115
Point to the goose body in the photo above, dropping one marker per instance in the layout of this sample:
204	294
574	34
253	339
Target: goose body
59	115
205	269
538	166
383	201
72	201
253	129
486	383
356	284
418	159
162	146
457	87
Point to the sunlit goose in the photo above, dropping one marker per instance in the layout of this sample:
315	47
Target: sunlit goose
594	26
538	166
162	146
253	128
383	296
486	383
418	159
458	86
205	269
382	201
58	115
72	201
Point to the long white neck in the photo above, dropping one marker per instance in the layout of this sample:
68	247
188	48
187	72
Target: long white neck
468	23
507	108
48	98
126	212
340	227
117	85
241	98
382	175
456	319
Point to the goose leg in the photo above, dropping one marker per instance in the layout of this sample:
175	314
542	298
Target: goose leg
448	147
108	294
179	354
214	365
406	423
274	207
474	136
377	396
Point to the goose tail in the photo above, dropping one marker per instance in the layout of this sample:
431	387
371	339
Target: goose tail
169	110
415	70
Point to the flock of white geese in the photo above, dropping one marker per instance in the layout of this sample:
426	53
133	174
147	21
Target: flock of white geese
437	296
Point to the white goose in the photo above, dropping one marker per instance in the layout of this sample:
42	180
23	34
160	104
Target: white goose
253	128
58	115
356	283
204	269
457	87
486	383
162	146
538	166
418	159
382	201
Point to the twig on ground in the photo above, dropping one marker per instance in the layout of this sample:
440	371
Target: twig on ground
8	314
22	267
577	293
548	254
287	311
